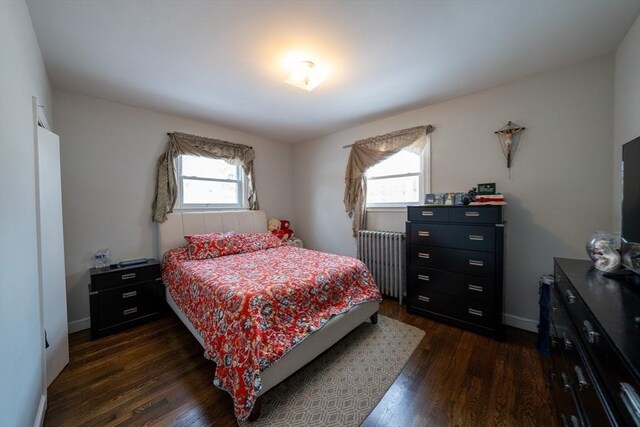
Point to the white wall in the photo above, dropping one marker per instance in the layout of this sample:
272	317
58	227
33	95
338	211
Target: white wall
626	119
22	76
109	153
560	190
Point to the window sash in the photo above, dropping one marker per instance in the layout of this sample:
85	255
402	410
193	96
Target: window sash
241	192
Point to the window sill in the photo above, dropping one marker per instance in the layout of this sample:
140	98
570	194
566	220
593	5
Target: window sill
209	208
387	209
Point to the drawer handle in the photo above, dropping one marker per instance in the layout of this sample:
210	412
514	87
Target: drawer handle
475	312
631	401
423	298
554	342
476	237
472	213
554	309
582	381
476	288
476	262
129	294
423	233
568	345
558	278
565	382
423	255
592	335
427	213
574	421
128	276
130	311
423	277
571	298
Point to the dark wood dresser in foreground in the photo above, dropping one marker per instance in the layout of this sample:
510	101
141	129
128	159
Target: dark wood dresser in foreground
454	265
124	297
594	369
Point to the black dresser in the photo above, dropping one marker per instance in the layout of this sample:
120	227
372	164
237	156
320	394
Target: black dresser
454	265
594	369
124	297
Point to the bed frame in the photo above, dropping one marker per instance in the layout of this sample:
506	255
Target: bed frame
171	235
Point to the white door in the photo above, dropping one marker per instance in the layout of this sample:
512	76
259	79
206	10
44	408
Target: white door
54	294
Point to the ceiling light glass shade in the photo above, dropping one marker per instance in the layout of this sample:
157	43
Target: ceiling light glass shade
305	75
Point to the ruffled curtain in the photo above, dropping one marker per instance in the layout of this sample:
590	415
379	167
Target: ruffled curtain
369	152
185	144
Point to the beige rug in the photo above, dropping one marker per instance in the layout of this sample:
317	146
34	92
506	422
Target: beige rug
342	386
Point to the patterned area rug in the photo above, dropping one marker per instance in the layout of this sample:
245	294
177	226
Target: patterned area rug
342	386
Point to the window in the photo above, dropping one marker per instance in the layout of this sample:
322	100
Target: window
396	181
210	183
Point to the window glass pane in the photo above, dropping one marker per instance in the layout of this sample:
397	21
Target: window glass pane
208	168
209	192
393	190
399	163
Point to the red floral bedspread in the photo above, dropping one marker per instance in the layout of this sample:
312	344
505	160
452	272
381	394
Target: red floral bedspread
252	308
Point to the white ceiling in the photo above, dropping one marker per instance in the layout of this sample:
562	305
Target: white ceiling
220	61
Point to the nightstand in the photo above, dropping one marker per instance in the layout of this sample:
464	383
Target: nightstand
124	297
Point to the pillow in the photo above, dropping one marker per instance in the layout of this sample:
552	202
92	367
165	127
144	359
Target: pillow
212	245
251	242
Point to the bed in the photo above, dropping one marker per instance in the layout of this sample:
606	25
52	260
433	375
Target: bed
330	330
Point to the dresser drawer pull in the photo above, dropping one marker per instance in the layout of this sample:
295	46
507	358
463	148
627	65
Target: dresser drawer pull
631	400
423	255
476	237
128	276
476	262
568	345
472	213
427	213
582	381
565	382
554	342
476	288
475	312
574	421
130	311
571	298
423	233
423	298
558	278
554	309
129	294
423	277
592	335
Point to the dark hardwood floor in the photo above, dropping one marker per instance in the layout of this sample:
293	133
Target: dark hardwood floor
156	374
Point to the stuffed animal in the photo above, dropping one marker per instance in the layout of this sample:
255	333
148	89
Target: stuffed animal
285	226
274	227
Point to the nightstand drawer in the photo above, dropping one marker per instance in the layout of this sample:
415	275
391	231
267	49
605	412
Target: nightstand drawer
108	279
466	262
472	237
428	213
476	214
128	296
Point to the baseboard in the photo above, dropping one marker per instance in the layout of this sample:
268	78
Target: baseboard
42	409
520	322
79	325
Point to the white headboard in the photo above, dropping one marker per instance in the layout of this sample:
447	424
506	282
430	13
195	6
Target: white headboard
171	232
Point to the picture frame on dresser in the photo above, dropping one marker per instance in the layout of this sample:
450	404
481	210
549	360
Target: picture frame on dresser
454	270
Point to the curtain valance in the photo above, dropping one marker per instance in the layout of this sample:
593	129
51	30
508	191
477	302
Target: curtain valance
185	144
368	152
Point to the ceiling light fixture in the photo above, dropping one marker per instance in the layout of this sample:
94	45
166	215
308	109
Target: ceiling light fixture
305	75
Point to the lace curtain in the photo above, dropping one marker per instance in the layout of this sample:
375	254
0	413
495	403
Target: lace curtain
182	143
369	152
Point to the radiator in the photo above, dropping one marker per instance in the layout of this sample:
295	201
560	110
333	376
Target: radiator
383	252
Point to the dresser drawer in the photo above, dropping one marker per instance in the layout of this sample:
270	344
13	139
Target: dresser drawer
473	288
466	262
472	237
120	277
432	301
476	214
428	213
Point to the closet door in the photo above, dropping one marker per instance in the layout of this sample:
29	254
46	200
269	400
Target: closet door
54	294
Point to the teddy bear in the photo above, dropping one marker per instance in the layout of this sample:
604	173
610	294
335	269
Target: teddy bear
285	225
274	226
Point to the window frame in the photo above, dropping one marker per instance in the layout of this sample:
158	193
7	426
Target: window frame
424	183
243	190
